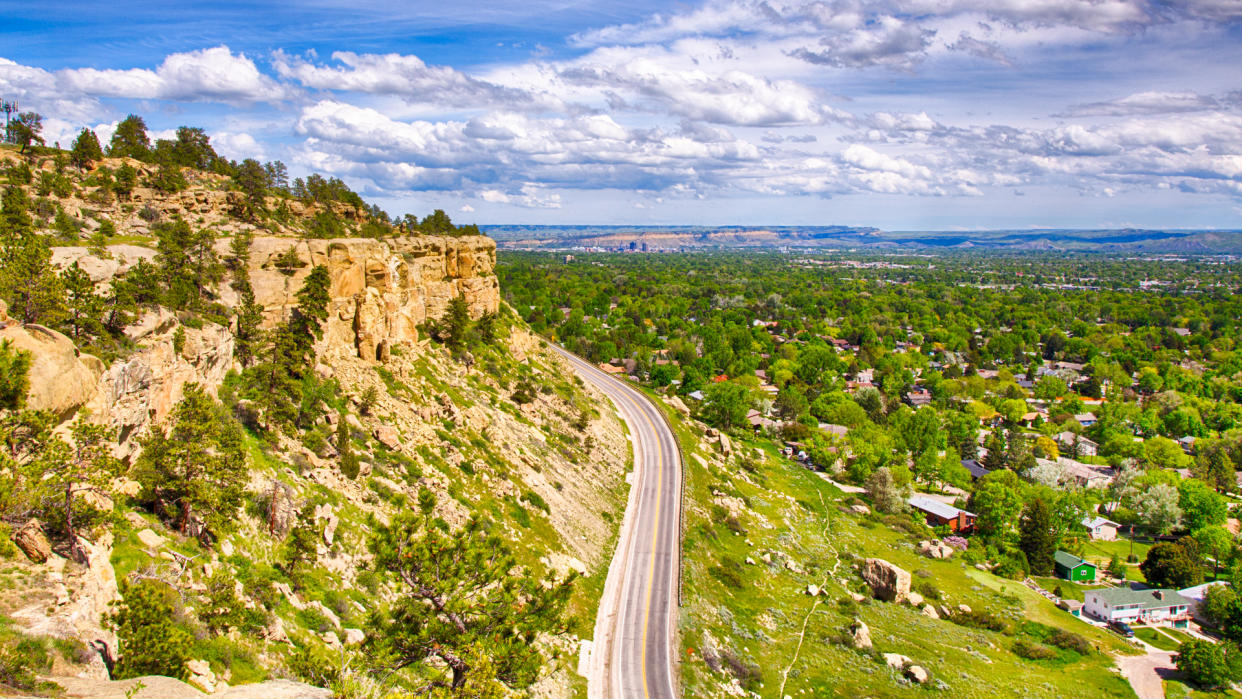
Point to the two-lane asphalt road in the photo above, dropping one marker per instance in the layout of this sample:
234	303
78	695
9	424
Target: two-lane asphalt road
632	655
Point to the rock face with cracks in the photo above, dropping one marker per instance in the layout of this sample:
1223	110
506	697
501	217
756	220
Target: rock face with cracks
381	290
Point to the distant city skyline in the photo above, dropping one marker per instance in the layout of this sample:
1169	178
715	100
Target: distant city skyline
921	115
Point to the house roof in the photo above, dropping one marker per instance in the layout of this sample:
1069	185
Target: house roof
935	507
976	469
1198	592
1093	522
1149	599
1069	560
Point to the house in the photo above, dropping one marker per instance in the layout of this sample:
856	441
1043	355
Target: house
1072	568
1100	529
614	370
1188	444
834	430
919	397
1087	475
1069	441
1143	606
1085	419
1197	594
976	469
697	395
941	514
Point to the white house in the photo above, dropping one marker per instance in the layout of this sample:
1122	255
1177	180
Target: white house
1124	604
1100	529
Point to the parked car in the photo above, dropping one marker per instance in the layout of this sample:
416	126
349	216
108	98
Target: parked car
1122	628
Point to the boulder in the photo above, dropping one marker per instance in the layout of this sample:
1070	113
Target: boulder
896	661
201	675
812	590
935	549
963	608
33	542
275	631
860	509
860	634
915	599
888	582
150	539
917	674
354	636
60	380
930	612
281	511
387	435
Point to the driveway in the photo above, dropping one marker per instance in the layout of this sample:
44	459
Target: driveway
1146	673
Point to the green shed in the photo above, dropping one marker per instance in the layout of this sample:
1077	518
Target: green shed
1072	568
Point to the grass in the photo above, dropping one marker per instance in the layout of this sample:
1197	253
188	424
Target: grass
751	616
1069	590
1154	637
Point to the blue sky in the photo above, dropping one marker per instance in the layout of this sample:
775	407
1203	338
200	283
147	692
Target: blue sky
912	114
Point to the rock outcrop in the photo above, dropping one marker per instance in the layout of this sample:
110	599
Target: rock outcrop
142	389
33	542
887	581
61	379
381	289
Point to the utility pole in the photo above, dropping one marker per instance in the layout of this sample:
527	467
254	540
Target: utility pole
10	108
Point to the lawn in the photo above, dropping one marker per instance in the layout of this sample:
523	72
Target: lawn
747	618
1101	552
1154	637
1069	590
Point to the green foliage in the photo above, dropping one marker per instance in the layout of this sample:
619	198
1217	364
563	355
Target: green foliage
223	610
725	404
21	661
1209	665
460	590
130	139
14	376
1171	565
1037	538
300	548
195	468
27	283
25	130
150	638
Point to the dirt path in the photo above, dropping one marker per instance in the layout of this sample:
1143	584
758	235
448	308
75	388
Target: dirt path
1146	673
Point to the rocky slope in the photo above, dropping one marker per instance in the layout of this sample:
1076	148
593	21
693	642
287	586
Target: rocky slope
549	468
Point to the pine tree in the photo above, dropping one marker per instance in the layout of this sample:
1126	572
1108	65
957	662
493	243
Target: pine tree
27	282
276	381
995	459
301	548
1037	539
14	376
196	468
85	466
130	139
461	590
344	447
149	640
83	307
26	130
86	150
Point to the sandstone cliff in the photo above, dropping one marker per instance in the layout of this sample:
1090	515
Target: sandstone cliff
381	289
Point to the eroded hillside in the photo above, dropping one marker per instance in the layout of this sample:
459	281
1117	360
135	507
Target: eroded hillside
417	390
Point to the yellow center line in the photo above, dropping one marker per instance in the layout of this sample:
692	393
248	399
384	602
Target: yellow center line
655	532
625	396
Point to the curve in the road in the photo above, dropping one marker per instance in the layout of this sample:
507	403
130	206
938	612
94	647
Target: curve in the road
633	654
